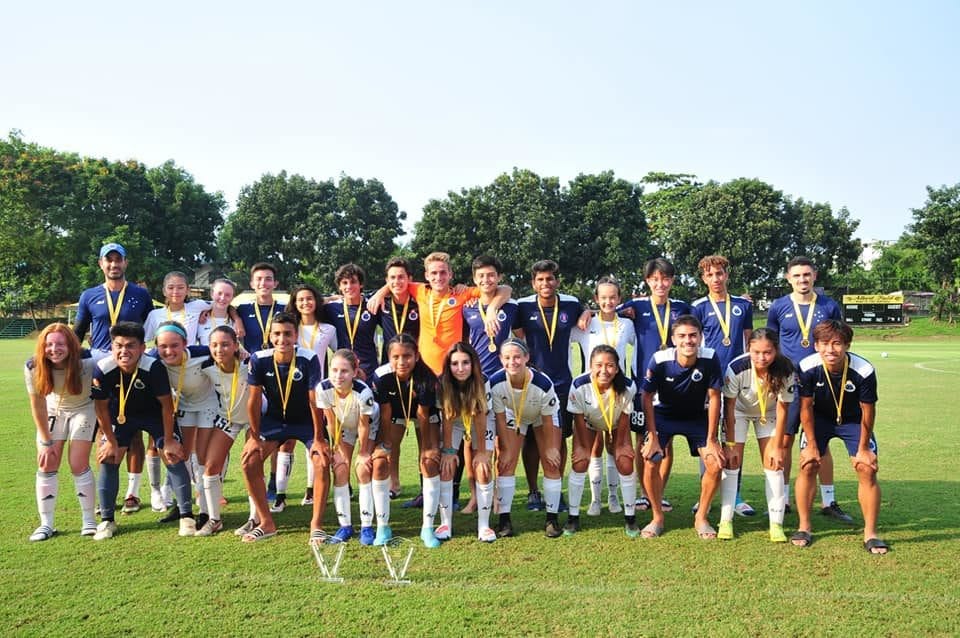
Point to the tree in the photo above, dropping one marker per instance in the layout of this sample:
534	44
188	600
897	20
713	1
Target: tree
827	238
936	230
901	267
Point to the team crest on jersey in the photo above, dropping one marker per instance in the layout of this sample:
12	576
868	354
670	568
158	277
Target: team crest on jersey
850	387
297	374
451	301
413	315
139	384
736	310
553	402
697	376
564	317
501	316
370	401
365	316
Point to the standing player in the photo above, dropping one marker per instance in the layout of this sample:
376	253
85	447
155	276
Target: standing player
400	312
176	308
727	323
605	328
131	394
58	380
546	320
286	375
99	309
653	319
794	317
356	325
838	396
685	378
222	313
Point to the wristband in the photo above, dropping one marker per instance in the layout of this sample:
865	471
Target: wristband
48	443
730	444
449	450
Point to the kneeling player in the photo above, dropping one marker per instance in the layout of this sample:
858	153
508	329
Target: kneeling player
131	393
838	396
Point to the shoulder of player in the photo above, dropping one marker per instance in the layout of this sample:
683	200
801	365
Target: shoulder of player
707	352
541	380
810	362
382	371
306	353
529	299
150	364
580	381
861	366
498	377
565	298
360	387
699	302
740	364
663	356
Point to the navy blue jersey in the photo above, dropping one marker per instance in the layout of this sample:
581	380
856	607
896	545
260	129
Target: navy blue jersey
645	325
476	333
306	376
861	387
682	392
409	320
390	390
363	344
141	406
254	339
782	318
741	318
93	313
551	358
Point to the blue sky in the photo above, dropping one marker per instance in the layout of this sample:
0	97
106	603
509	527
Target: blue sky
855	104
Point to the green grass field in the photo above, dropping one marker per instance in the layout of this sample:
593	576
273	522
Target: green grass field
150	582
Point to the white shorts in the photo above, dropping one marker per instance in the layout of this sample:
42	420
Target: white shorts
524	427
231	429
72	425
763	431
203	419
350	436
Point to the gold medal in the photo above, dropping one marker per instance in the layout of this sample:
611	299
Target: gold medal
726	341
805	324
723	321
763	420
551	328
122	397
663	346
121	419
492	347
663	325
805	343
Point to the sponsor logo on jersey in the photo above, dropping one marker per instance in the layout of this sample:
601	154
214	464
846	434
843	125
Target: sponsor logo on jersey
736	310
297	374
451	301
850	387
139	384
501	316
697	375
365	316
413	315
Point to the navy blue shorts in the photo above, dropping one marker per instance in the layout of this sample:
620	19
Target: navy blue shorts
275	431
849	433
125	433
694	430
793	417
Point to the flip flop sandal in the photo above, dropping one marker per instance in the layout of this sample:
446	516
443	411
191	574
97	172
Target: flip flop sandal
801	539
875	543
706	532
257	534
652	530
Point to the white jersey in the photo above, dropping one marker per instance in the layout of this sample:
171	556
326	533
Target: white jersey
212	323
540	399
58	401
326	339
234	411
738	383
617	334
189	383
347	410
188	317
583	400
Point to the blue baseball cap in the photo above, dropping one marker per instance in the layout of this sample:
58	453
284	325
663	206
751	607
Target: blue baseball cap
106	249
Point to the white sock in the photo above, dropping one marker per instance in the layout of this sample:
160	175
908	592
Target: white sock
775	494
365	499
595	472
506	488
551	493
47	484
827	495
431	499
381	501
202	489
446	504
575	482
87	495
628	485
613	477
133	484
728	493
309	464
786	493
484	504
153	471
341	503
284	467
212	491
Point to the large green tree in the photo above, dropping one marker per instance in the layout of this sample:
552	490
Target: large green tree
936	230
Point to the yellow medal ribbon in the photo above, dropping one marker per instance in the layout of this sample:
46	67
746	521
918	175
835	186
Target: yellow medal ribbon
661	323
264	329
606	339
408	406
756	383
518	411
843	385
723	321
340	417
551	330
398	325
234	382
483	317
611	405
313	337
805	325
351	330
172	317
114	311
285	389
180	375
122	396
467	425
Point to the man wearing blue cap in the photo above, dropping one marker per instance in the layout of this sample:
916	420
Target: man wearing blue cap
100	308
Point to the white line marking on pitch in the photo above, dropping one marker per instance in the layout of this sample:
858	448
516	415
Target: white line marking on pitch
928	369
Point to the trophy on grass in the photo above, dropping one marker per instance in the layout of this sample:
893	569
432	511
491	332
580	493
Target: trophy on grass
397	553
328	552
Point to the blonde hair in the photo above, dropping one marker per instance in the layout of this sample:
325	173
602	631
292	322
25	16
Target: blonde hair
436	256
43	370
